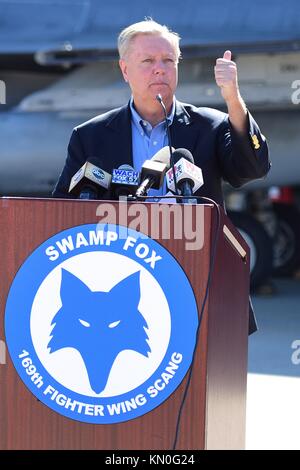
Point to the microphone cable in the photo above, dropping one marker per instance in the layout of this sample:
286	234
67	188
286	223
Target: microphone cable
208	284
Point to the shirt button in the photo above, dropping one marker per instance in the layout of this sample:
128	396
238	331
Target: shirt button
155	143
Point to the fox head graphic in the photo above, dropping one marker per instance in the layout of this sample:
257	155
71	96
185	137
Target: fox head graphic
99	325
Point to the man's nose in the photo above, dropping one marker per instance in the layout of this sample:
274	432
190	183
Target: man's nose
159	67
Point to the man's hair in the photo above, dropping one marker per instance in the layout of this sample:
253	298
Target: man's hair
148	26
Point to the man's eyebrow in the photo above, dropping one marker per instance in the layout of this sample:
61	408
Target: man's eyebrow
149	55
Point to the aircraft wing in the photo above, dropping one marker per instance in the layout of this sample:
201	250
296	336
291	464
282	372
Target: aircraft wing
62	28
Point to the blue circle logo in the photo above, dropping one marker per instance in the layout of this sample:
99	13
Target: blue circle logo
101	323
98	173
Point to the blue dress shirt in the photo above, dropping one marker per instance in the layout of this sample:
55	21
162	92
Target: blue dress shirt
148	140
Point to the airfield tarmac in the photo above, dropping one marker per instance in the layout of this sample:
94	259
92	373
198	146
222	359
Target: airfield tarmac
273	393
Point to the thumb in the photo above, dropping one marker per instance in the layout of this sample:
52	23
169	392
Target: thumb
227	55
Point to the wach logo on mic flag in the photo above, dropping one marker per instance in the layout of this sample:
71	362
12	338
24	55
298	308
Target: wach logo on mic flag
101	329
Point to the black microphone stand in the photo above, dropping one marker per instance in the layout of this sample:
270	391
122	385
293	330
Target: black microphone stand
159	99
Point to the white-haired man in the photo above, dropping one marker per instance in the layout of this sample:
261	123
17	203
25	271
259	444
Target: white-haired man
226	147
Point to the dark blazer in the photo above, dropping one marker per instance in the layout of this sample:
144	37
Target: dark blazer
218	150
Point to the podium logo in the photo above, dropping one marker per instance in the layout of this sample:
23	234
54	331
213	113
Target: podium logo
102	325
101	329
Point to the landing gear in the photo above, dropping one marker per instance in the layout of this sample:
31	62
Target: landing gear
286	240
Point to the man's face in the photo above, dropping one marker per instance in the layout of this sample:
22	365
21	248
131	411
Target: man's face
150	67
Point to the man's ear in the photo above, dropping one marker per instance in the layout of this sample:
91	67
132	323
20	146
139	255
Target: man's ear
123	67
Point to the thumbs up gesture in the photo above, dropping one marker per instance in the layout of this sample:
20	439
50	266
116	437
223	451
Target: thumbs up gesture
226	77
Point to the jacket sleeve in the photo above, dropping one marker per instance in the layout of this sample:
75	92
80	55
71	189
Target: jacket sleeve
74	161
242	158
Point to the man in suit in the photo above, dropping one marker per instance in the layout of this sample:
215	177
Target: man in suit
226	147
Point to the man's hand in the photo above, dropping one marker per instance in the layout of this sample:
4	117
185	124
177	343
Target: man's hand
226	77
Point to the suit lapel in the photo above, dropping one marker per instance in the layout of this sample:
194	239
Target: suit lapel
184	130
120	124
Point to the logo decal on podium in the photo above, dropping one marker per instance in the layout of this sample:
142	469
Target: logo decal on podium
101	327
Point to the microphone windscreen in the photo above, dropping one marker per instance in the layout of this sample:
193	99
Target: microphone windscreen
89	174
162	156
125	166
182	153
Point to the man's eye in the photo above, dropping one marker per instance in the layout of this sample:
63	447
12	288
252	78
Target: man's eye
147	60
169	61
84	323
114	324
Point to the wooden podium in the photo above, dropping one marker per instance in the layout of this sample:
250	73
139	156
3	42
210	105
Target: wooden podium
213	416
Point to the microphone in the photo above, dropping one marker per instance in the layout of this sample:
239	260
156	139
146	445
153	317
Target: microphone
153	172
125	181
189	176
160	100
89	182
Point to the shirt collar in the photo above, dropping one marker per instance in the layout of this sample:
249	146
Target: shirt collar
137	119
